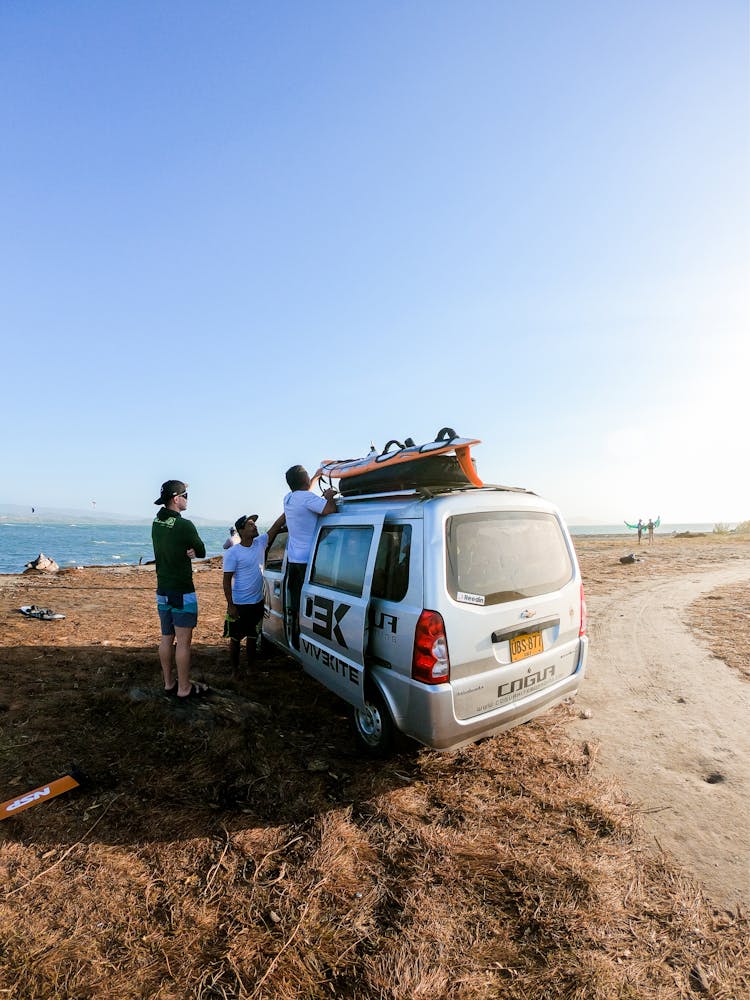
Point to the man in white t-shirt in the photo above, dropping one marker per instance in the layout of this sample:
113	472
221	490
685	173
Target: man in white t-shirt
232	538
243	586
302	510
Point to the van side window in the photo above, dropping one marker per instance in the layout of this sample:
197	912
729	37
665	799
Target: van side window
340	558
275	551
390	579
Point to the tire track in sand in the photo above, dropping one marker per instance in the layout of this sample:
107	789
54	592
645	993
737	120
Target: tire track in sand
673	725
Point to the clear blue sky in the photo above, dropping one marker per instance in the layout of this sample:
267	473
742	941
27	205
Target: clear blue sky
237	236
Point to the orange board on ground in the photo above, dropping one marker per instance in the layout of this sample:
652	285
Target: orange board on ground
40	794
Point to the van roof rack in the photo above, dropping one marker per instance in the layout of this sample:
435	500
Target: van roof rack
426	493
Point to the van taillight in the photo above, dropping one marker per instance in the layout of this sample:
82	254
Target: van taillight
430	663
584	614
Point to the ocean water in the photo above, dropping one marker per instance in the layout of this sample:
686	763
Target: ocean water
86	544
94	544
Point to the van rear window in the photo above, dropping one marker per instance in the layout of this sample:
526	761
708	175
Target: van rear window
499	556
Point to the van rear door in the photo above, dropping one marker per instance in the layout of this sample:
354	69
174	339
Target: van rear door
514	621
335	603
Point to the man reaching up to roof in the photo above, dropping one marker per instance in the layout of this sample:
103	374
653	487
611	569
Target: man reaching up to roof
176	542
243	586
302	509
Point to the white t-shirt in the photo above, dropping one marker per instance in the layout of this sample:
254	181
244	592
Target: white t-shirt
246	562
302	509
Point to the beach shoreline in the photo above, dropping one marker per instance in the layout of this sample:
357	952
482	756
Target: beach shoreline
80	549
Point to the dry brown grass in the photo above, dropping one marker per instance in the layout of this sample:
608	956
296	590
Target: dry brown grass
241	849
722	619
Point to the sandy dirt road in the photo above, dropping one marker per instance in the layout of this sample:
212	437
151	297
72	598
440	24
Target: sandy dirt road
672	722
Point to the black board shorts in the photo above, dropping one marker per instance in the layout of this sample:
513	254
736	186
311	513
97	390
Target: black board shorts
249	616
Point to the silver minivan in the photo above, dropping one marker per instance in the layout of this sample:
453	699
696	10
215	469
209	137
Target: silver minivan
446	616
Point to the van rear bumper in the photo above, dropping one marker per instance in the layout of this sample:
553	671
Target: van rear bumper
427	713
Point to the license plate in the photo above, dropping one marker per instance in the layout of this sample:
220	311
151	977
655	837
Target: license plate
525	645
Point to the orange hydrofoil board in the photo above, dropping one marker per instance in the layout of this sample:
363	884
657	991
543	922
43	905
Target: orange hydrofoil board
444	462
40	794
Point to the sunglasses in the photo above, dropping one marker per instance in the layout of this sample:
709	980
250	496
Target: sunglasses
181	494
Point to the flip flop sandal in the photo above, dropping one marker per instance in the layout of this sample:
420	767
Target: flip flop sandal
196	691
43	614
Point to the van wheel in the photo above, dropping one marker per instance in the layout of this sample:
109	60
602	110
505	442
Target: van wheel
373	726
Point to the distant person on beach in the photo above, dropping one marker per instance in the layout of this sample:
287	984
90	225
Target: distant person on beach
640	526
302	509
243	586
176	542
232	539
650	527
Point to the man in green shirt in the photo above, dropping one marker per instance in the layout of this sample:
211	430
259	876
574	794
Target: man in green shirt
176	542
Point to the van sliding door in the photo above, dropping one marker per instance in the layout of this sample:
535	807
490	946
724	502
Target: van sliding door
335	602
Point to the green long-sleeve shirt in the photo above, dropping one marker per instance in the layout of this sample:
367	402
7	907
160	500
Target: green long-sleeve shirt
172	535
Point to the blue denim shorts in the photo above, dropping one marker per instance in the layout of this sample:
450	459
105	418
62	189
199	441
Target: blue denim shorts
179	610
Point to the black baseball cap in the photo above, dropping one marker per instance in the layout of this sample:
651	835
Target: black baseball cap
172	488
242	521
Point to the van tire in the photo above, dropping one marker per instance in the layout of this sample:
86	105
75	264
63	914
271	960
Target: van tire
373	726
